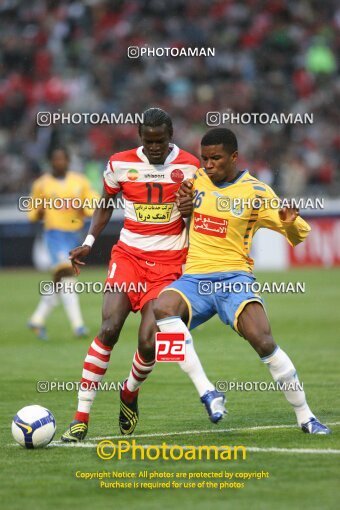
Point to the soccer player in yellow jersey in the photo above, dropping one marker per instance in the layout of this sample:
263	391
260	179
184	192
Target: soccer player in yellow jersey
229	207
61	199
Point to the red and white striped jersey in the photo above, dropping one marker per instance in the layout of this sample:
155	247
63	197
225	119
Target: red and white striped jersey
153	229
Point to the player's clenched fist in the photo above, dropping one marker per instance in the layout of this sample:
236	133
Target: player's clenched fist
76	254
184	198
288	214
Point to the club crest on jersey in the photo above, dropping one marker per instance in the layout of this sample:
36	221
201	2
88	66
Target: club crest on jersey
177	175
236	209
132	174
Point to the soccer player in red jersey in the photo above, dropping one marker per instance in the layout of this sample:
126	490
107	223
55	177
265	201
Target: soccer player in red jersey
148	256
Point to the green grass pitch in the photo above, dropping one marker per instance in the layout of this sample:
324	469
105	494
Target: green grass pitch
305	325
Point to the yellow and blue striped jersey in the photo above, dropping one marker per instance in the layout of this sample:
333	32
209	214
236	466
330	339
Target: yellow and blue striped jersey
225	220
55	198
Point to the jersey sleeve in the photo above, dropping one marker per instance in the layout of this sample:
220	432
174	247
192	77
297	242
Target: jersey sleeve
36	194
111	184
295	232
194	179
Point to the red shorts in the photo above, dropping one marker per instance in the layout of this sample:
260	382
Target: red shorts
141	280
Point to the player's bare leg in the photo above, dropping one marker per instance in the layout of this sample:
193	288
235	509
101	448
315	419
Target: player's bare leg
171	312
142	366
116	308
254	326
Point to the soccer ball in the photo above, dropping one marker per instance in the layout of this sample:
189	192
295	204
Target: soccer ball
33	427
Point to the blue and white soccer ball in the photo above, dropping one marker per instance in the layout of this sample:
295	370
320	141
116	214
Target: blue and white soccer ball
33	427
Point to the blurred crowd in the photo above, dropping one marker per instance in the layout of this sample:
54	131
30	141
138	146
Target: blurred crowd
270	56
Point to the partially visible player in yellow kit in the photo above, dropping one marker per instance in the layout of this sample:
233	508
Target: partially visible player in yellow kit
229	207
62	200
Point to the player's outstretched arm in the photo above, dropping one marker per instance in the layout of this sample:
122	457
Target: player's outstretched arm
184	198
296	229
100	219
286	220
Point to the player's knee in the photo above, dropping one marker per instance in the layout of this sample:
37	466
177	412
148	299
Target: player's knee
163	308
146	346
109	332
262	342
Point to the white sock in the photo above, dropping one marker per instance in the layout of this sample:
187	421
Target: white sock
192	365
44	308
85	400
71	303
283	371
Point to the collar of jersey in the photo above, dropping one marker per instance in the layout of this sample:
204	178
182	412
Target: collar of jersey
171	156
227	184
62	179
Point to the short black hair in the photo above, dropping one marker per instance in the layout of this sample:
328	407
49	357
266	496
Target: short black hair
55	148
154	117
221	136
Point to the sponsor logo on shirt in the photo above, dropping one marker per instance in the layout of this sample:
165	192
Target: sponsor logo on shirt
153	213
210	225
154	176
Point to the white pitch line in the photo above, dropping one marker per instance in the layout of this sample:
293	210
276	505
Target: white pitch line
196	432
291	450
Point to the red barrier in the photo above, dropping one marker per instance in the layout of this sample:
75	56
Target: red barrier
322	246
